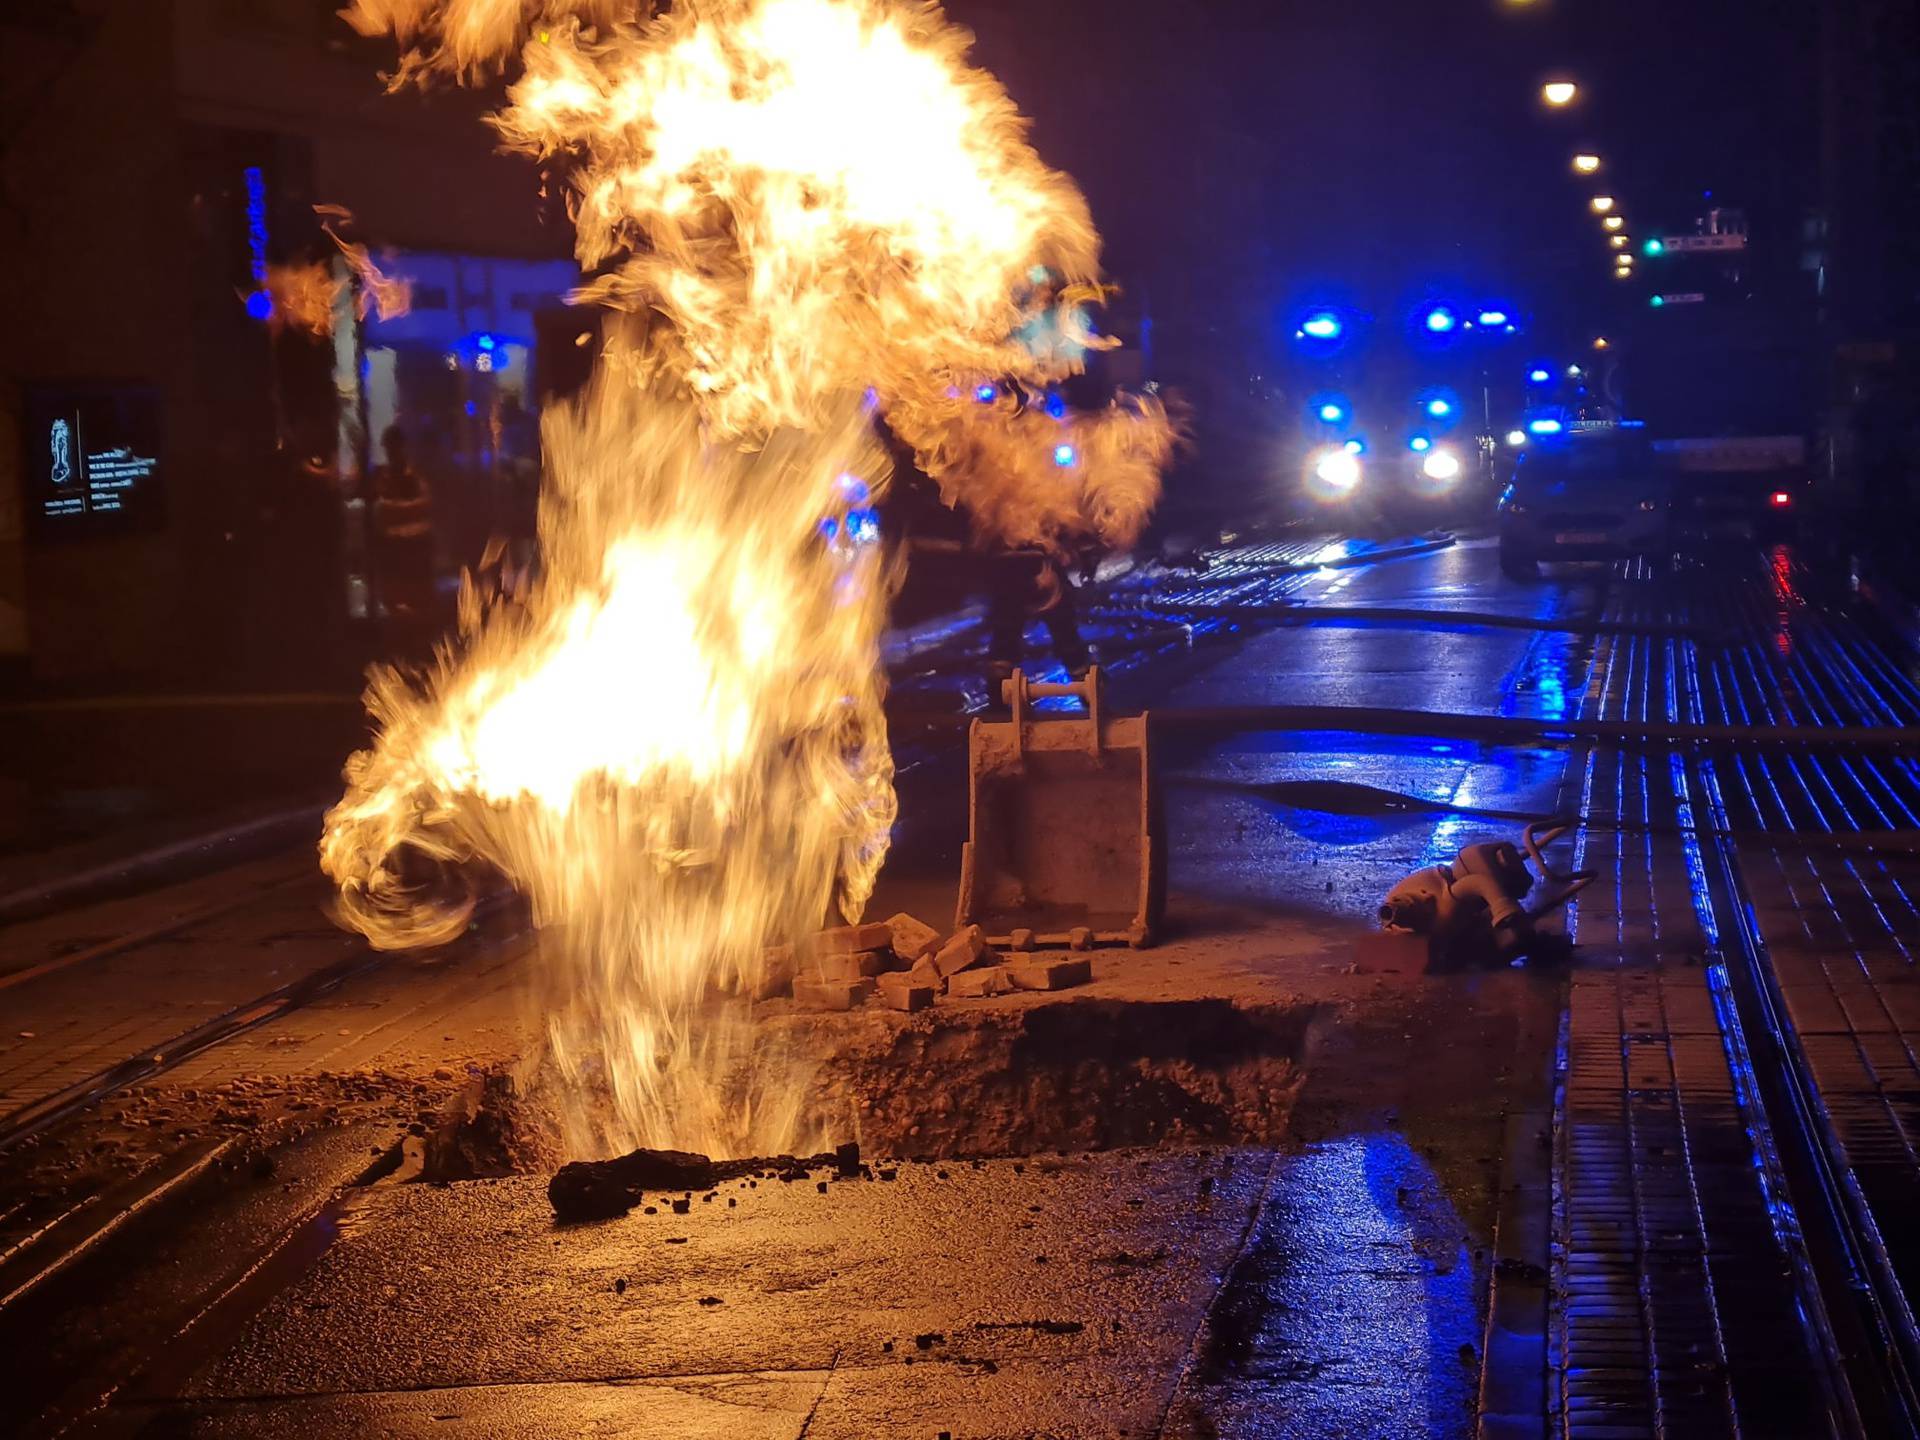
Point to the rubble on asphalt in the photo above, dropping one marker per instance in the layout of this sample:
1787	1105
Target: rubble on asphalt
906	965
584	1190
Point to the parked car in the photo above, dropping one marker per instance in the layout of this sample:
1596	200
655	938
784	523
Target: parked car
1596	495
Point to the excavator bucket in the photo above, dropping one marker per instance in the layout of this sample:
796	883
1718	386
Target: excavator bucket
1063	821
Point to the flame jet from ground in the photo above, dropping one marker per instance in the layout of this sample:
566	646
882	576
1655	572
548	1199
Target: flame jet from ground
675	746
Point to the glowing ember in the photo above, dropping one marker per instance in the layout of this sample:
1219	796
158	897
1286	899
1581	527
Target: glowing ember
674	744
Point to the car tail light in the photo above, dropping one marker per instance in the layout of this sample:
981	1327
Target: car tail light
1781	499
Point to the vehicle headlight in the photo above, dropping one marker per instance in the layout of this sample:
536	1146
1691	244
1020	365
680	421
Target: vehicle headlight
1338	469
1440	465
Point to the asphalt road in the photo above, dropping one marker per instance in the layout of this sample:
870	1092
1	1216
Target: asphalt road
1352	1198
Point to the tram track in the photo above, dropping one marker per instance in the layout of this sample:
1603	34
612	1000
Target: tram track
1771	823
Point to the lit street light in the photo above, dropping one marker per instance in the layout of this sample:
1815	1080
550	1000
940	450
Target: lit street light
1599	342
1613	222
1602	204
1618	242
1586	164
1559	93
1656	247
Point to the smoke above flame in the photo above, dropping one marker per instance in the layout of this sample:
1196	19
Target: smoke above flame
809	211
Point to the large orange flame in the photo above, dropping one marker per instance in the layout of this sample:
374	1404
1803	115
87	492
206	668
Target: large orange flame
675	745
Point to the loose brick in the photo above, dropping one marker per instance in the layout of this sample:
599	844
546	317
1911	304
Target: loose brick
831	994
979	983
776	973
1080	938
925	972
836	965
964	950
898	992
1051	974
1020	940
912	939
849	939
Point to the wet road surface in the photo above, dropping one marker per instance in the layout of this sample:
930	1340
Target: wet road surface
1629	1205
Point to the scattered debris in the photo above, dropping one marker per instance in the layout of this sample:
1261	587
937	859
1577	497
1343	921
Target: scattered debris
777	970
847	967
850	939
900	991
966	949
1062	974
978	984
912	939
812	994
603	1189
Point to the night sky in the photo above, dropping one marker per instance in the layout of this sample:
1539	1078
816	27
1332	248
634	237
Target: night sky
1243	157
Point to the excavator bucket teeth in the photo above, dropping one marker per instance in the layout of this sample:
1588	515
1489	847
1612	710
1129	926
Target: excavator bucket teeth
1063	821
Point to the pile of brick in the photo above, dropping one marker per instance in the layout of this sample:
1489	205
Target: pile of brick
905	964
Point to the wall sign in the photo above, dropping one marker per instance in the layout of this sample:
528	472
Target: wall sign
94	459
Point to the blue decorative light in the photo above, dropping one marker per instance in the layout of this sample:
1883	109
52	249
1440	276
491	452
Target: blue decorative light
1441	320
1493	317
854	488
1355	446
1545	426
1419	444
1322	325
986	394
485	341
1064	455
1056	407
1540	375
1332	413
1439	409
260	305
863	526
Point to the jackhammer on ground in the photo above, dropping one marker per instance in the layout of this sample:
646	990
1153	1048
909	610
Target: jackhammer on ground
1470	910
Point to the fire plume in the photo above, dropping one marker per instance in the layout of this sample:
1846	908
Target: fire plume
673	744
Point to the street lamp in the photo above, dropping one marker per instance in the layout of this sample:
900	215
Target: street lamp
1559	93
1618	242
1586	164
1599	342
1613	222
1655	247
1602	204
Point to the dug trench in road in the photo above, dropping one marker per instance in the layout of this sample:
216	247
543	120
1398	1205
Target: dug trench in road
1328	1140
